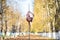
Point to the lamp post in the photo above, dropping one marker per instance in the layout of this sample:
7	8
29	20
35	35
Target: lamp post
29	18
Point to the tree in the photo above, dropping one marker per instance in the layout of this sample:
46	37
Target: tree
13	29
57	18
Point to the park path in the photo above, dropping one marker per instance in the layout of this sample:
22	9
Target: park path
26	37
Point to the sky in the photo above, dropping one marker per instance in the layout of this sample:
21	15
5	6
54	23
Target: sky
22	5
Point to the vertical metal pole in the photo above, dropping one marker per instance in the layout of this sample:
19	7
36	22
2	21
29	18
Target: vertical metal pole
29	22
28	7
29	29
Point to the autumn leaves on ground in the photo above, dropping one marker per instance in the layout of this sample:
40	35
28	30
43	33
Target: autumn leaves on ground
32	37
26	37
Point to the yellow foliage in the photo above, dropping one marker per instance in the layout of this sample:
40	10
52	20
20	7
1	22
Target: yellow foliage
11	16
40	17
